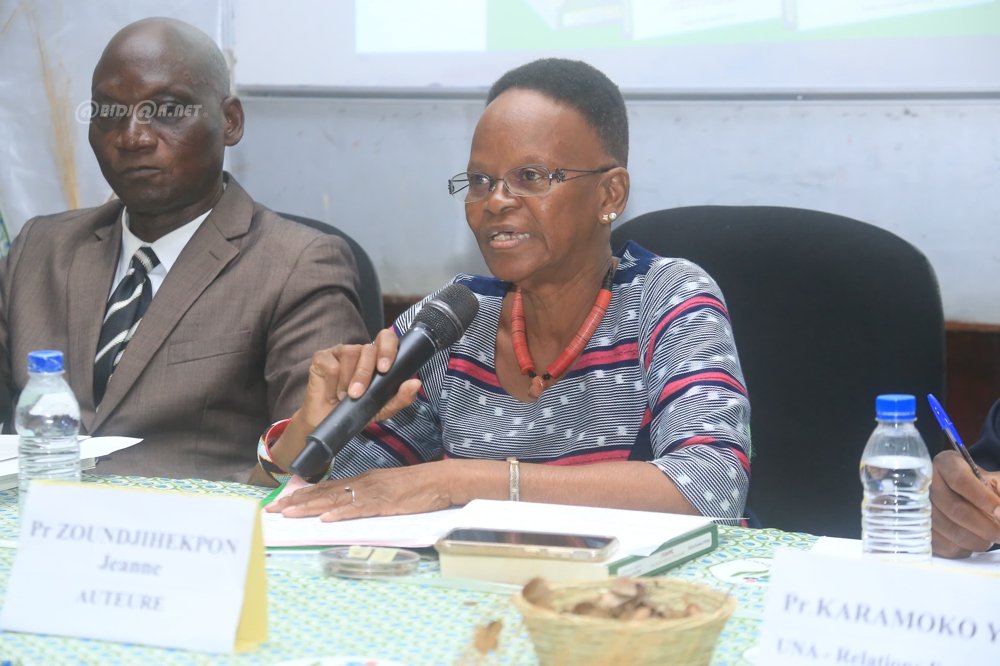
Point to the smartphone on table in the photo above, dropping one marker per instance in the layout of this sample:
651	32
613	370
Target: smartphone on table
518	543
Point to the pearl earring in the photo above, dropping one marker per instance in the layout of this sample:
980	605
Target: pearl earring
612	216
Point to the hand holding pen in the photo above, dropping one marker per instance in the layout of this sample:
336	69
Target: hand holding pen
949	430
965	507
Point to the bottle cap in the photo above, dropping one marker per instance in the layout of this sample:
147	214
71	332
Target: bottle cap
895	407
45	360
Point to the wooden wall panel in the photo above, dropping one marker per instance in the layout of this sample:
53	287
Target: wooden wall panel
973	375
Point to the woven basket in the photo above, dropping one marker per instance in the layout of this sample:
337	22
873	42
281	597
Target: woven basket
566	639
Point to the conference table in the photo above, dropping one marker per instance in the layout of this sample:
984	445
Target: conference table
412	620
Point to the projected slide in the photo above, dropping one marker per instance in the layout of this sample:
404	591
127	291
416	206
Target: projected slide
706	46
390	26
809	14
404	26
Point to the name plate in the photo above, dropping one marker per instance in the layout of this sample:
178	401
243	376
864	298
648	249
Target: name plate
846	612
139	566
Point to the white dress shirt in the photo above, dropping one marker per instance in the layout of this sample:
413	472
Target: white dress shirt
167	249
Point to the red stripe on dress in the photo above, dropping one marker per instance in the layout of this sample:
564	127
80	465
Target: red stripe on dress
681	384
376	431
472	370
692	441
690	304
627	351
741	457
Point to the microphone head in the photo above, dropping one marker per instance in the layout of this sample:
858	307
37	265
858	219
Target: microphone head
446	316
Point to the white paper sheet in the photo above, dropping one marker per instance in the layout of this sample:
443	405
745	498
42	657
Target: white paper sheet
91	448
638	532
413	531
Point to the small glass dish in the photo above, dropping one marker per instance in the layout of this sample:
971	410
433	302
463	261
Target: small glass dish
368	561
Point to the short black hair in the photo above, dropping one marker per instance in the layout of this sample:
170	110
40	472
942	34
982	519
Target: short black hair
581	86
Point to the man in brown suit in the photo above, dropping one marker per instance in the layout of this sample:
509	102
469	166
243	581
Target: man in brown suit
241	298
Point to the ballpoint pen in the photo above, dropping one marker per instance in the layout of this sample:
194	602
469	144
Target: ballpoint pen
956	441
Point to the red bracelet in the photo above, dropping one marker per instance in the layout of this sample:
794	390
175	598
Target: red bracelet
271	468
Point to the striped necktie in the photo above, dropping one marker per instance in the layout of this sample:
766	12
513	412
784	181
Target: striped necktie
126	306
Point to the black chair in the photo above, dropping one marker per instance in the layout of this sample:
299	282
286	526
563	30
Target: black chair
827	313
370	288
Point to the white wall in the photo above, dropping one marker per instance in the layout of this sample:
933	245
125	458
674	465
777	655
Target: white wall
928	171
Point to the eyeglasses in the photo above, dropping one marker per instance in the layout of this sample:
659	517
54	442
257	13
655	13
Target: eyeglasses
532	180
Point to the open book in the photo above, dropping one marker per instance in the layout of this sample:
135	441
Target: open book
91	448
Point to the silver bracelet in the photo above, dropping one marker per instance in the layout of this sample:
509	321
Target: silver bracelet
514	478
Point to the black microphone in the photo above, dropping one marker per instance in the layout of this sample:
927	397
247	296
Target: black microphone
438	325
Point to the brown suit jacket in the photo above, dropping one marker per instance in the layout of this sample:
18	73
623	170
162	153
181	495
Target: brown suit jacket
222	351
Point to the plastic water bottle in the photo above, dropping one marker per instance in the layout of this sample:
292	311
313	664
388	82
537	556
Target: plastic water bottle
47	419
896	474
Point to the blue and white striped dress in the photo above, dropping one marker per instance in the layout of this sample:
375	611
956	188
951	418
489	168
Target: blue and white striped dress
659	381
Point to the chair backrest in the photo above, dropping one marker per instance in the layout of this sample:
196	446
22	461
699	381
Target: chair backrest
827	313
371	290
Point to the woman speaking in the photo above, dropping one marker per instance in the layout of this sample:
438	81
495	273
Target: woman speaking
586	377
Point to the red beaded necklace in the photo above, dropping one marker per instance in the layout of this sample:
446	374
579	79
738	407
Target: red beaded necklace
519	338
